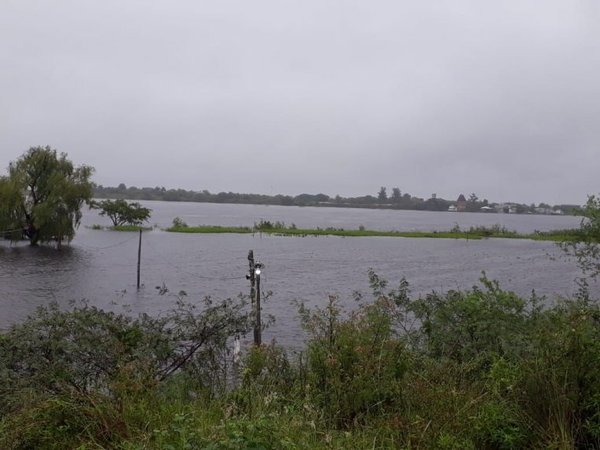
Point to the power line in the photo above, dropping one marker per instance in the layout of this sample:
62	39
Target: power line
90	247
177	265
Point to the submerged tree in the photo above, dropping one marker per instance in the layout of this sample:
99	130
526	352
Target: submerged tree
42	196
123	213
10	206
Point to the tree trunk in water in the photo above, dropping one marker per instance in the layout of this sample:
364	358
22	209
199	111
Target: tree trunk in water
33	234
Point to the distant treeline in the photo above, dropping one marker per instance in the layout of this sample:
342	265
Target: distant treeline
397	199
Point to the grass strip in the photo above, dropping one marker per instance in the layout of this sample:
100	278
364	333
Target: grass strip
474	234
211	229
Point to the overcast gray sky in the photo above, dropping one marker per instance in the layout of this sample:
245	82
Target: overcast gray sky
500	98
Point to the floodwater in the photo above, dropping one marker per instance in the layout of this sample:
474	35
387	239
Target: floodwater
100	266
349	218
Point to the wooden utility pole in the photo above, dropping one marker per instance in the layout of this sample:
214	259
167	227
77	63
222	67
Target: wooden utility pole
251	275
139	259
254	277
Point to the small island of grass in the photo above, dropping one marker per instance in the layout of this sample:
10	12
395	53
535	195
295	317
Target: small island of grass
281	229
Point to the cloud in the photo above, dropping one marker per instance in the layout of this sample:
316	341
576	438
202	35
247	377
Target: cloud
328	96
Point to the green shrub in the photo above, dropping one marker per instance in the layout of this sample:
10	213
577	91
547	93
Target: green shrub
267	225
560	389
354	365
75	372
474	325
178	222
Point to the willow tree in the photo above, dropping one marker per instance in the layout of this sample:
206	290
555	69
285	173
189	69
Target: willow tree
10	209
42	196
122	212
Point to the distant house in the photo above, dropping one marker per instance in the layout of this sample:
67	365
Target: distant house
461	203
554	212
507	208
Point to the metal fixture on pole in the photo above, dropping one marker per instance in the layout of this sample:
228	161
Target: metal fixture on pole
258	324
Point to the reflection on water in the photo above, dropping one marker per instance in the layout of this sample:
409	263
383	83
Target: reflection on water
100	267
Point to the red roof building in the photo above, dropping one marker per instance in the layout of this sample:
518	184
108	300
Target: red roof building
461	203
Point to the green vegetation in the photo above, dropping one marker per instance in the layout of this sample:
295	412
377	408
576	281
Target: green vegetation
208	229
477	369
179	226
280	229
178	222
586	248
130	228
123	213
42	196
480	369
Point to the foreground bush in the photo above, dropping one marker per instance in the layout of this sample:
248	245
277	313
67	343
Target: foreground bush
68	373
480	369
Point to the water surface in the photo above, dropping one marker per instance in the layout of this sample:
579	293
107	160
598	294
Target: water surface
100	266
